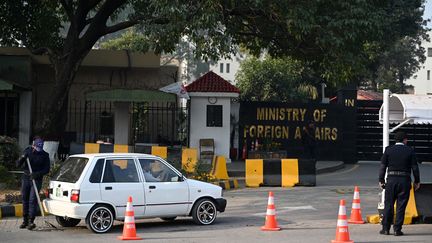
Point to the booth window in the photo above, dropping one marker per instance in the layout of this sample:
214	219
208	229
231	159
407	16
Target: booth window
214	116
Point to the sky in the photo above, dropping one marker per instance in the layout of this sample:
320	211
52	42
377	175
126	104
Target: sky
428	11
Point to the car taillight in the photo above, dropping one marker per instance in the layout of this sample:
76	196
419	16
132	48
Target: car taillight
74	196
47	192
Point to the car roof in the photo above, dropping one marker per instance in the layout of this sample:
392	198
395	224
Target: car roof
91	156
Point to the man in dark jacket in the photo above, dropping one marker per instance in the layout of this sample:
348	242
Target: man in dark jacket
399	159
40	164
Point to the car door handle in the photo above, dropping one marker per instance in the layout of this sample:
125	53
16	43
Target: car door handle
108	188
152	187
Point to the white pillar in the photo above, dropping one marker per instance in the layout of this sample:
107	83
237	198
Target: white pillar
386	130
386	97
24	125
121	122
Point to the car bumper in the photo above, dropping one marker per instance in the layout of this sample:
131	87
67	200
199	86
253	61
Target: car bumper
221	204
67	209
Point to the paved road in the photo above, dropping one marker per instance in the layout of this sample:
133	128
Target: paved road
306	214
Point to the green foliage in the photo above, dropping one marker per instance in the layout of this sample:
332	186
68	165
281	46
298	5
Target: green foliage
331	36
9	179
328	34
9	152
278	79
201	170
130	40
31	23
46	179
389	69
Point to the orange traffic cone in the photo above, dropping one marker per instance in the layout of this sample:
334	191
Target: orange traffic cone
129	230
342	234
270	222
356	217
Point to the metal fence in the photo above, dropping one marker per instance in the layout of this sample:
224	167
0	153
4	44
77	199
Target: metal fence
150	122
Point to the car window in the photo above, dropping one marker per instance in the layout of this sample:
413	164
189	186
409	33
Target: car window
156	171
96	175
70	170
120	170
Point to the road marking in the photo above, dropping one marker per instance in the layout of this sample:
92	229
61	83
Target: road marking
289	209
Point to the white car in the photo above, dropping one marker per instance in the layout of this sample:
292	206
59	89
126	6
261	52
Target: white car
96	187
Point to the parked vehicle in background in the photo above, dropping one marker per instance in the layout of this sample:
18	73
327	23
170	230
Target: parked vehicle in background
95	187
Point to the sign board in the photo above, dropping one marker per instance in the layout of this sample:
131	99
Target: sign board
279	126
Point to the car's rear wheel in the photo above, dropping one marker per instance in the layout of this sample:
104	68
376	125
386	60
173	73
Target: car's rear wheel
100	219
67	222
168	218
204	212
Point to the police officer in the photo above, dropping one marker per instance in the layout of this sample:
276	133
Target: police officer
399	159
40	164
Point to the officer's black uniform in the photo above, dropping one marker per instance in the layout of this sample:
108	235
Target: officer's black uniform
40	163
400	160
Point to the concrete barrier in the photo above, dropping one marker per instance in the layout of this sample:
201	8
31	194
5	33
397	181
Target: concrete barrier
419	208
189	159
423	200
280	172
161	151
219	168
94	148
15	210
220	172
227	184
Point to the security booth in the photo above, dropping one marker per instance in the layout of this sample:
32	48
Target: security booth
210	108
400	110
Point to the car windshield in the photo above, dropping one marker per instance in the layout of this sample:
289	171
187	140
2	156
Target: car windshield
70	170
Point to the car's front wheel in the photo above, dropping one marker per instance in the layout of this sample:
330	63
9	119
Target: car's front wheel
67	222
100	219
204	212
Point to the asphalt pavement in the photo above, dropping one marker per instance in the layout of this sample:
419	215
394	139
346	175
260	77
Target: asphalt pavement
305	214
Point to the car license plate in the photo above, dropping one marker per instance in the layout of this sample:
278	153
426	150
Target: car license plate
58	192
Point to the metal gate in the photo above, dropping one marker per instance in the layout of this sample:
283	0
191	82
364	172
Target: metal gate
159	123
369	134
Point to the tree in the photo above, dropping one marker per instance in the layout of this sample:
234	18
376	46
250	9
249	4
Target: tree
66	31
278	79
330	35
392	67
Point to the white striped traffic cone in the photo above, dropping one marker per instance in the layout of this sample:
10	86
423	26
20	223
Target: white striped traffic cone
342	234
270	222
356	217
129	230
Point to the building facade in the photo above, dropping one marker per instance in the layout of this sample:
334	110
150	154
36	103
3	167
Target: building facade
422	79
113	96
